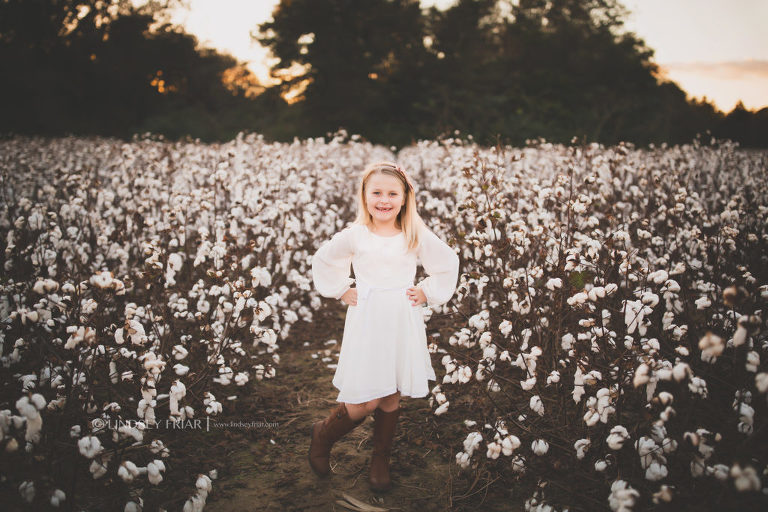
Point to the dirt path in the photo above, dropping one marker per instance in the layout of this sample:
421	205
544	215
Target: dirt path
260	475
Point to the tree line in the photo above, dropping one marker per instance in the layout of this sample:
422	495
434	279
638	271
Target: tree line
498	70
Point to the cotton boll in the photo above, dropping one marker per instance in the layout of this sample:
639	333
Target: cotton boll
472	442
746	418
666	414
89	446
703	303
528	384
656	472
761	382
666	398
196	503
663	495
463	460
753	361
646	449
212	406
698	386
12	445
260	277
540	447
582	447
622	497
597	292
494	450
617	437
658	277
132	506
179	352
577	299
711	347
180	369
537	405
740	336
650	299
641	375
680	371
510	444
669	445
58	497
27	491
127	471
720	472
442	409
153	472
745	479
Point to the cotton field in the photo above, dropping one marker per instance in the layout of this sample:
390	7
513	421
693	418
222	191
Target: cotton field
607	344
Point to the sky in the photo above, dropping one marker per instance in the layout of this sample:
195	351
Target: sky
716	49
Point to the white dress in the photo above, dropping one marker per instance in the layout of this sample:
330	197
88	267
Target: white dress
384	348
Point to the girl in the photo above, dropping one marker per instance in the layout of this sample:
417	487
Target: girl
384	348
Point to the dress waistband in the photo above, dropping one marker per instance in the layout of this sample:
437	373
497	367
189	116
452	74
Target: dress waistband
364	289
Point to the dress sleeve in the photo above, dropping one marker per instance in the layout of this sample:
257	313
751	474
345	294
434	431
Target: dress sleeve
441	265
330	265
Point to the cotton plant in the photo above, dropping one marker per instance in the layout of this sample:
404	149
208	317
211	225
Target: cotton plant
133	254
586	271
613	345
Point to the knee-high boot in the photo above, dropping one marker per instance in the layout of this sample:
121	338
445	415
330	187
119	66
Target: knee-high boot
325	433
383	435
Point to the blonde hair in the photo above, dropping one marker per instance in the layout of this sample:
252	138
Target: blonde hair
408	219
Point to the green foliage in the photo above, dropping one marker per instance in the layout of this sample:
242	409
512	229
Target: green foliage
385	69
579	279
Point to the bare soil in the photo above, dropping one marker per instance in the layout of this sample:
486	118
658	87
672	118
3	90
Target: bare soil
255	474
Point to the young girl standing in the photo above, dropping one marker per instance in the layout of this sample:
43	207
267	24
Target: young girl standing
384	348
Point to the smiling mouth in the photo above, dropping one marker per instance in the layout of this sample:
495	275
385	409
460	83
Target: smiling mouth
379	208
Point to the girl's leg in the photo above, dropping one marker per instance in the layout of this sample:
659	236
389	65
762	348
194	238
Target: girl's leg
390	403
387	404
357	411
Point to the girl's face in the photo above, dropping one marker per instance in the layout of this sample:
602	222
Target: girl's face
384	197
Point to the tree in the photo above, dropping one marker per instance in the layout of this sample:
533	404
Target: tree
356	63
107	67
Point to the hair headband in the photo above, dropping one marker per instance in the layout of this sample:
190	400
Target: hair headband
402	173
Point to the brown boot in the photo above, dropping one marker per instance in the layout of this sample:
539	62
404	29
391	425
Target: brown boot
383	434
325	433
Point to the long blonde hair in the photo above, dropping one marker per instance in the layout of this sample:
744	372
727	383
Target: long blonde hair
408	219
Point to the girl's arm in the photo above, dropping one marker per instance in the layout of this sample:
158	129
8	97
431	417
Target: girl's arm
330	265
442	266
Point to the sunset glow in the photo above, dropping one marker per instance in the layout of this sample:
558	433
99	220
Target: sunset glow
720	52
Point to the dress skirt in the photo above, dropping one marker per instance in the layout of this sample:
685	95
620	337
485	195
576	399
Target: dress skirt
384	348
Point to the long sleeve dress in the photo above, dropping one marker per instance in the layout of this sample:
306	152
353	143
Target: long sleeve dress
384	347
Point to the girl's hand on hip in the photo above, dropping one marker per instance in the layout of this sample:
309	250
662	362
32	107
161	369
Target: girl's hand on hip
350	297
416	296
